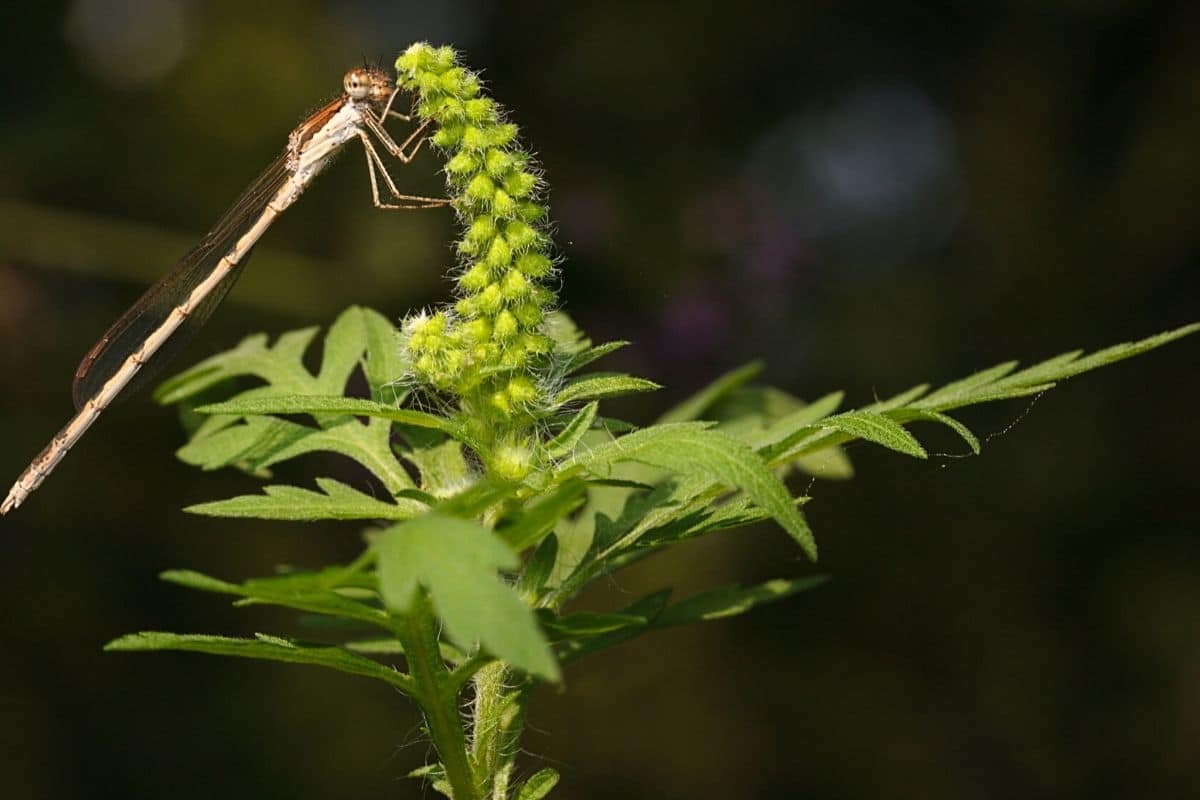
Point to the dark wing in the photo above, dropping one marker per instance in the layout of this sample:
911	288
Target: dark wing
153	307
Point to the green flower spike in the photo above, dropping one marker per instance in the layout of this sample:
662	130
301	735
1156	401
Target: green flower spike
489	349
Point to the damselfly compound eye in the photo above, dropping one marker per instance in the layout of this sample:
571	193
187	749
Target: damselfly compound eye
357	83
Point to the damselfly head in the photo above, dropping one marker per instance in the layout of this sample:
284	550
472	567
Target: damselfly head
368	83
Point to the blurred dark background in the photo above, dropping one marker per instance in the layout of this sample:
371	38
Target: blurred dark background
868	194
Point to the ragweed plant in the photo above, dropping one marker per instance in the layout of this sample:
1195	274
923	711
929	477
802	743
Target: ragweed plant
486	520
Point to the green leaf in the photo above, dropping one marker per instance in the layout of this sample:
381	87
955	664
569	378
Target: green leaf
261	442
1000	383
689	448
595	459
581	359
478	498
344	345
899	400
695	406
802	419
384	362
281	365
729	601
336	500
698	518
565	442
444	471
950	422
375	646
240	444
876	428
567	337
199	581
965	387
368	444
266	648
598	386
435	775
322	404
647	609
310	592
587	624
830	463
457	562
538	569
538	785
540	518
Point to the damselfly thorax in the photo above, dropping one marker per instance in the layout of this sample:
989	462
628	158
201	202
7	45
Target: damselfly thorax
156	327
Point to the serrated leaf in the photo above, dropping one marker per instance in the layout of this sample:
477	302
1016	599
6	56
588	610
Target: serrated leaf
328	404
697	520
1044	371
964	387
647	609
689	448
538	785
384	362
367	444
344	346
239	444
876	428
336	500
779	431
587	624
898	400
950	422
278	363
265	649
581	359
614	426
598	386
695	406
1039	377
595	459
457	562
315	595
564	443
729	601
565	334
261	442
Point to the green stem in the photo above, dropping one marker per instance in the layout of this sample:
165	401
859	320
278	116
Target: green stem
499	720
437	696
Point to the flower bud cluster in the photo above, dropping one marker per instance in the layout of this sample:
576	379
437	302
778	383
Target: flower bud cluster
487	347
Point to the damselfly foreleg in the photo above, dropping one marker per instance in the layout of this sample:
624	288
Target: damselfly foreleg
387	109
401	151
375	161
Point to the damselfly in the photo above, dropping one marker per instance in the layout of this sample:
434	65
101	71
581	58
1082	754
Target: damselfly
146	337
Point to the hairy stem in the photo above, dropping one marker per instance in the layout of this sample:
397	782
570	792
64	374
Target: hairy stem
499	721
437	696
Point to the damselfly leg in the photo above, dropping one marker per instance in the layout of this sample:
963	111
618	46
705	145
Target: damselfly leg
405	152
387	109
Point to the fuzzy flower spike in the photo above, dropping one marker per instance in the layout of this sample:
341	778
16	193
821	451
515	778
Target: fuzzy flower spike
488	349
